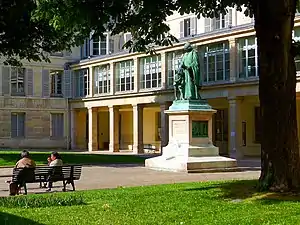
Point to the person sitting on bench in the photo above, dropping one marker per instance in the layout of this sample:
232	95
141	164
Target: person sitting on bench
24	162
54	160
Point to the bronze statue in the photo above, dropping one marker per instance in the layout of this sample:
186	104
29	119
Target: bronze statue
188	81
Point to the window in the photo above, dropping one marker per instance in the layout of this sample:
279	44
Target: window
18	125
150	72
216	62
56	83
99	46
257	121
17	81
296	37
102	79
125	76
221	125
81	83
57	125
248	60
174	60
188	27
220	22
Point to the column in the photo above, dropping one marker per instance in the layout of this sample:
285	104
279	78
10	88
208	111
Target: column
235	128
136	74
114	129
91	81
138	145
164	131
164	70
93	129
73	129
233	59
112	78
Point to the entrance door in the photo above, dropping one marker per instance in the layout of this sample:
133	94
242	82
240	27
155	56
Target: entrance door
220	131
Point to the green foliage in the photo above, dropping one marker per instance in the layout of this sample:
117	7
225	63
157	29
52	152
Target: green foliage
35	201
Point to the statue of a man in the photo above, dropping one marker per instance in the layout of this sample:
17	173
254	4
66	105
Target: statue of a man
191	70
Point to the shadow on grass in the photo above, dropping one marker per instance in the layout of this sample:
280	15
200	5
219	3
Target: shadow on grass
246	190
9	219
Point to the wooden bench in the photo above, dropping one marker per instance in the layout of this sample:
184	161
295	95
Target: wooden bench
67	174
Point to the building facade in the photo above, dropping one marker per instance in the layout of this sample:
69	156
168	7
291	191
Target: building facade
112	100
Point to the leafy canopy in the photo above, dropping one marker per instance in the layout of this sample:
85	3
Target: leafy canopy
29	28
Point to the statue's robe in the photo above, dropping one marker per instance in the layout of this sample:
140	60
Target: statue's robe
192	75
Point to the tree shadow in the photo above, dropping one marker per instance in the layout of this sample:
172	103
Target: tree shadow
10	219
246	191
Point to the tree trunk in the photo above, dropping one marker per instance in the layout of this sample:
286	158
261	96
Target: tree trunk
274	23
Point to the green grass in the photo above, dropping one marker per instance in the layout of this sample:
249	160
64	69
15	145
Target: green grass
234	202
9	158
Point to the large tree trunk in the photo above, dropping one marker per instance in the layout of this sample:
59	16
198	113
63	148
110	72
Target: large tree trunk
274	22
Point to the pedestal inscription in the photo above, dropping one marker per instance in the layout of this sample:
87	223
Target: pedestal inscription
199	129
179	127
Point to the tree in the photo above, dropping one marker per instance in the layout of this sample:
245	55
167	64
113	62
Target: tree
274	22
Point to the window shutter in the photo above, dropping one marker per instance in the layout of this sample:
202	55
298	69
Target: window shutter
121	42
128	37
207	24
67	84
14	121
5	80
181	29
29	79
193	26
45	83
213	24
21	125
228	18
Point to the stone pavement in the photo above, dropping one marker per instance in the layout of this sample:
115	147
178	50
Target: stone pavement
99	177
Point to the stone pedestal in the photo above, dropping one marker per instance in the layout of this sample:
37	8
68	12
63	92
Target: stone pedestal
190	147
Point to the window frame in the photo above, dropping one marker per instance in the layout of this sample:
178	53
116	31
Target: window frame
125	76
19	133
18	79
55	83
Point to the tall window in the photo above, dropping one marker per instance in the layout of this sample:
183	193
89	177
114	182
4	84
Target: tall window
85	49
296	37
174	60
17	81
57	125
18	125
216	62
188	27
56	83
125	76
99	45
247	51
150	72
81	83
220	22
258	128
102	79
221	125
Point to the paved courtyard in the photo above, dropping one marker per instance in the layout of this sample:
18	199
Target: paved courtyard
99	177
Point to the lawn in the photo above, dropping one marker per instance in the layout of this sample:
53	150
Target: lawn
9	158
233	202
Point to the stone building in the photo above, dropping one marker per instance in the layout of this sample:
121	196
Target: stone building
112	100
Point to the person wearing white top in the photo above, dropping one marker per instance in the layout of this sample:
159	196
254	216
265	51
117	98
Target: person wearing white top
54	160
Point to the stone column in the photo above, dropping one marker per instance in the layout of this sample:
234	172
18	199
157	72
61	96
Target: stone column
164	70
93	129
138	145
91	80
73	128
164	132
233	59
112	78
235	128
114	129
136	74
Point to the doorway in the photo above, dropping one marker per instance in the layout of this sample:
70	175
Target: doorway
220	131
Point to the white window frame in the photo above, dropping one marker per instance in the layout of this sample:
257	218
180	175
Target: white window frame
81	83
174	61
56	86
246	48
125	76
150	68
102	79
17	77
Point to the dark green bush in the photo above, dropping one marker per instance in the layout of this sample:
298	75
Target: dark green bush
39	201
